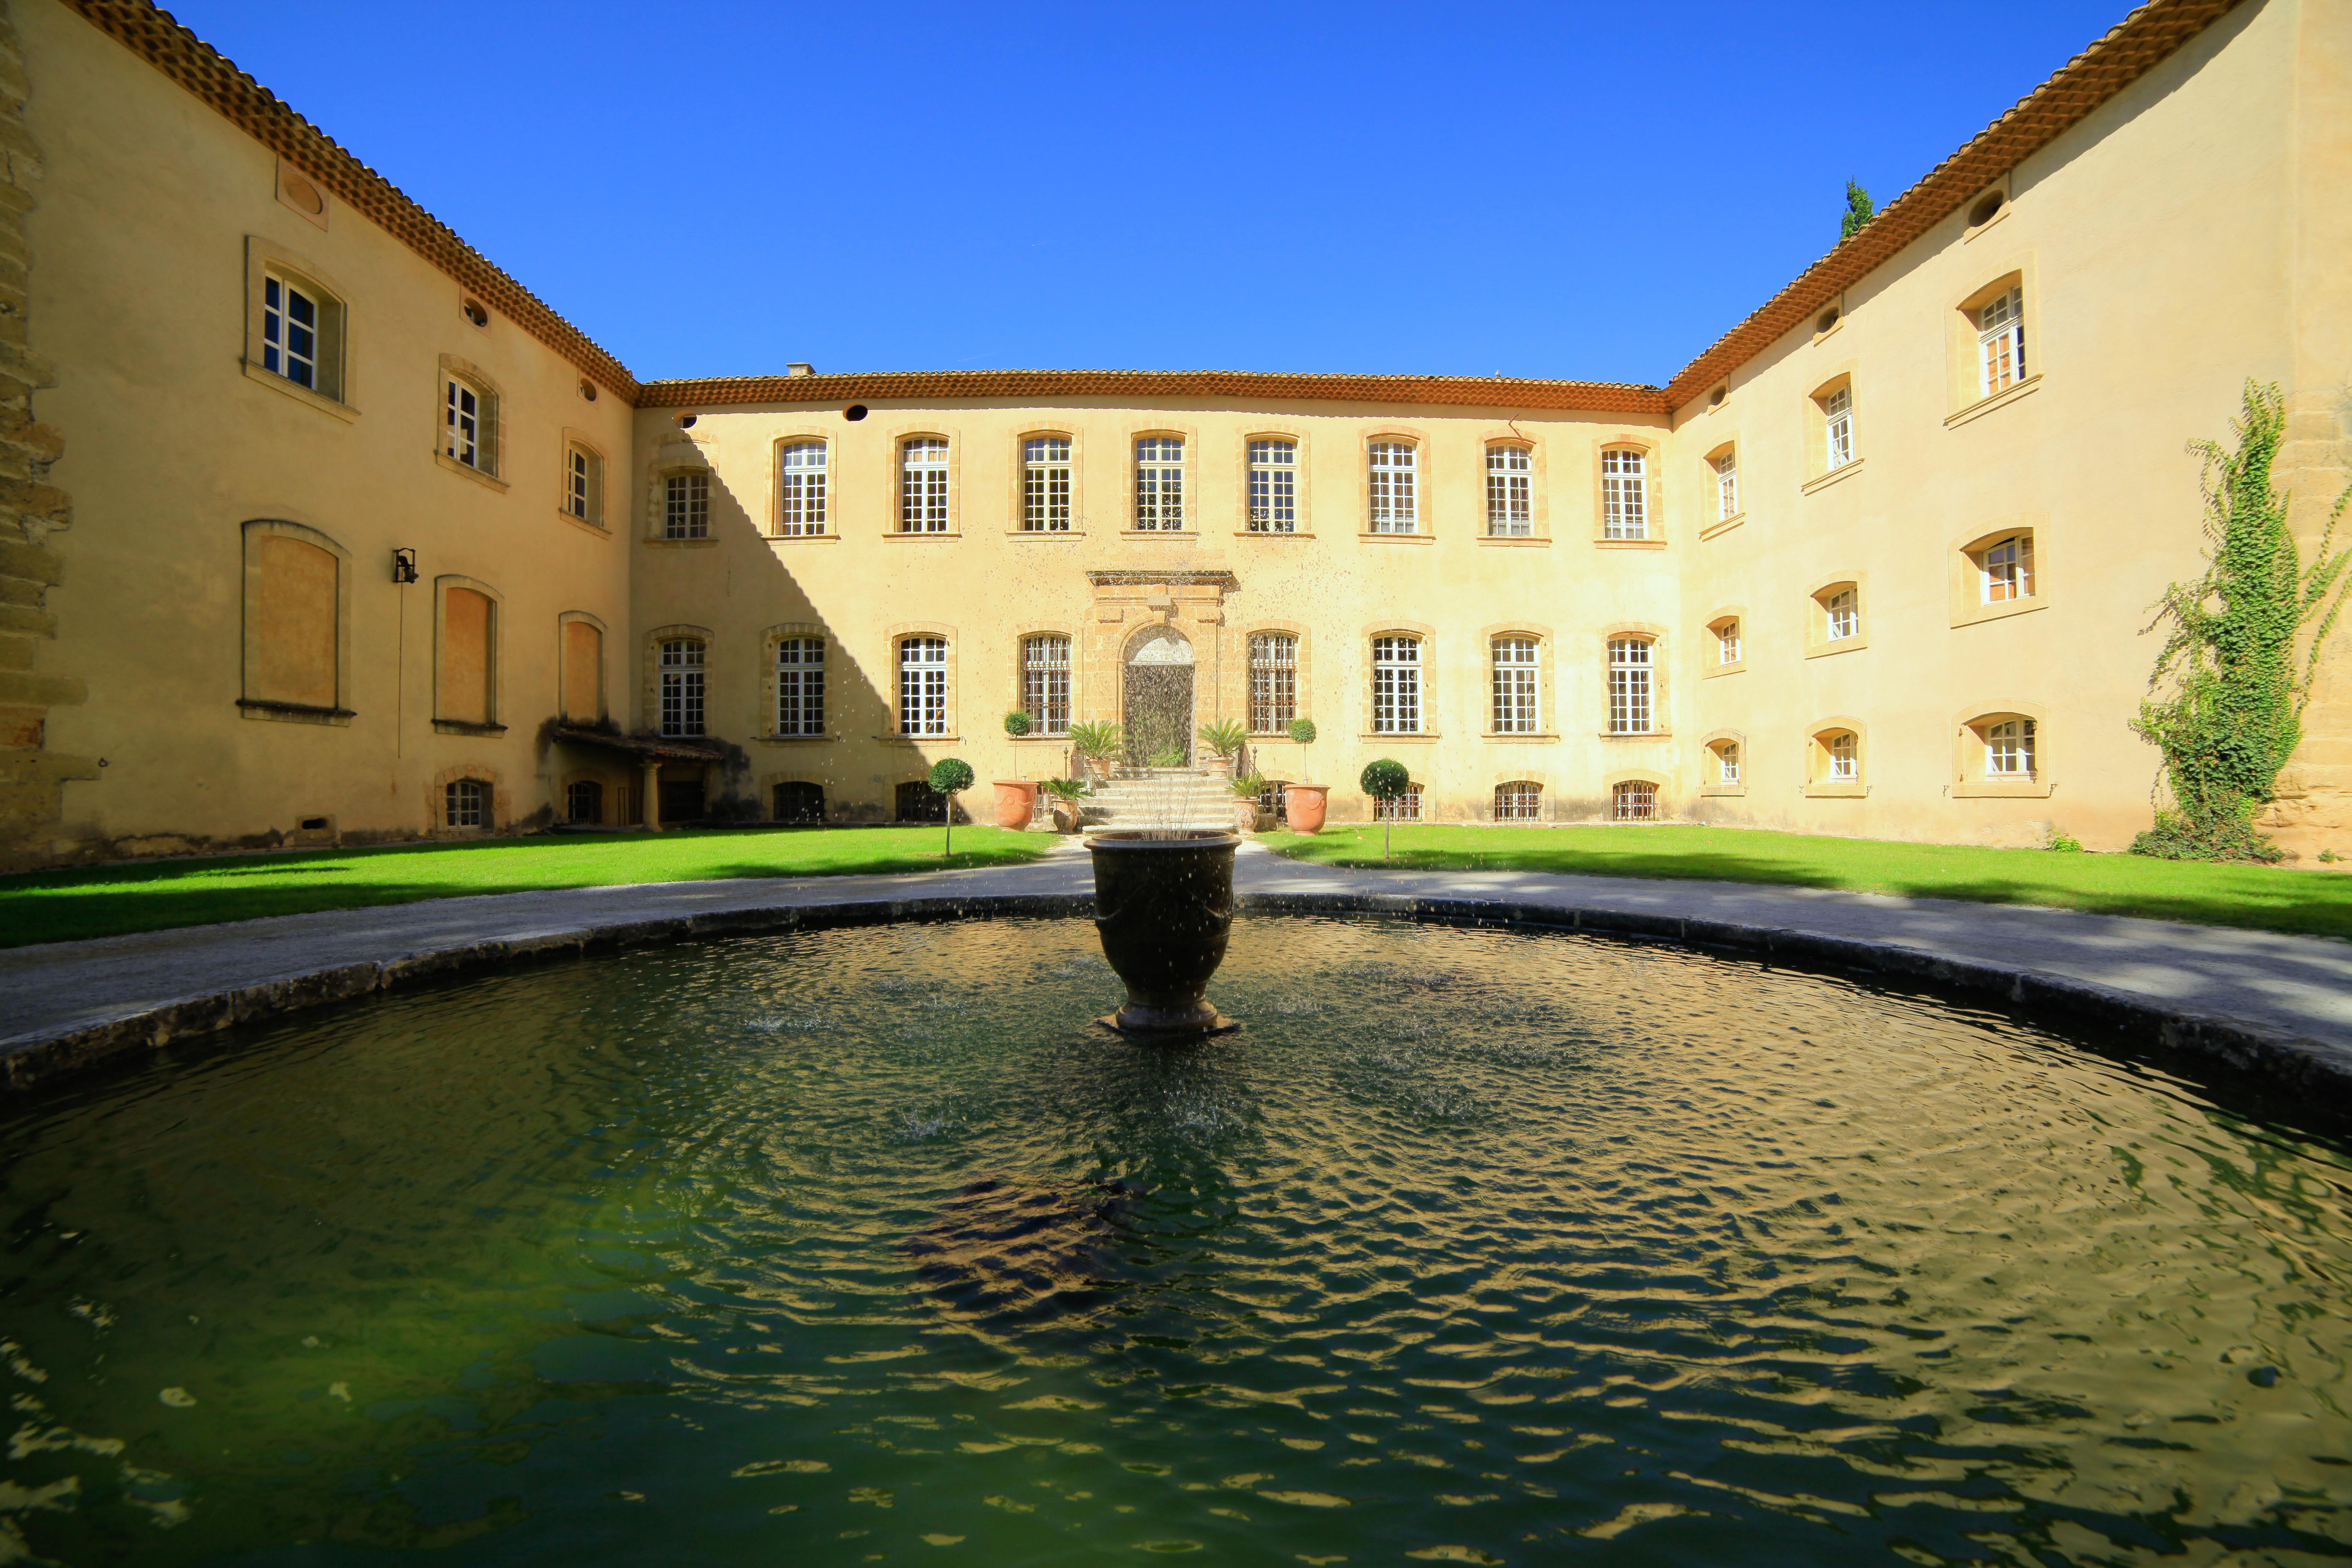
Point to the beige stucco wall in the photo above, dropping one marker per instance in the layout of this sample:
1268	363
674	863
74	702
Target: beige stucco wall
987	584
2154	243
139	294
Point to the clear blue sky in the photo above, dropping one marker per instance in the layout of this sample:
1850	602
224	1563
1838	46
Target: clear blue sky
1566	190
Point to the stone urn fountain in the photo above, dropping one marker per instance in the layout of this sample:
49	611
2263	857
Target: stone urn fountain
1164	905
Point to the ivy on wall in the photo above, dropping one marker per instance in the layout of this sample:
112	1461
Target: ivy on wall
2231	688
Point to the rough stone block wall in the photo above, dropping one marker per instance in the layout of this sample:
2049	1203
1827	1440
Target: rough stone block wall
2313	808
34	514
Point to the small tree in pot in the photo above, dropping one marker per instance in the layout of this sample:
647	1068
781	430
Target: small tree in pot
952	776
1304	804
1385	780
1016	723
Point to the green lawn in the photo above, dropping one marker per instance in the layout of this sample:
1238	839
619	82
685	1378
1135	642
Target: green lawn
65	906
2268	898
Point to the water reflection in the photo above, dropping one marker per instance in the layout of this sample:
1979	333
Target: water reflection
1474	1247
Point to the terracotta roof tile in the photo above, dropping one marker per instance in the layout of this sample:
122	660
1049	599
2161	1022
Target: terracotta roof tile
1465	391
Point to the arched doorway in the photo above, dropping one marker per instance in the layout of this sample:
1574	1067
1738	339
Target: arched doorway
1156	696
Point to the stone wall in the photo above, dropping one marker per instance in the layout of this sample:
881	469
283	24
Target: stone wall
34	515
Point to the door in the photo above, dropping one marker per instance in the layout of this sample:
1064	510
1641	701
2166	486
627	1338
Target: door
1158	700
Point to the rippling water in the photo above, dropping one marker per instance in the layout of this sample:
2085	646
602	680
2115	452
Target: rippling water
1472	1248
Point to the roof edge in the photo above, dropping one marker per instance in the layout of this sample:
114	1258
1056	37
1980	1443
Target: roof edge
158	37
2119	58
1461	390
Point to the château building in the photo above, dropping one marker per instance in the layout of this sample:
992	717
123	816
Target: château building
318	527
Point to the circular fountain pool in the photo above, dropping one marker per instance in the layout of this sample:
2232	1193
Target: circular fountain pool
868	1247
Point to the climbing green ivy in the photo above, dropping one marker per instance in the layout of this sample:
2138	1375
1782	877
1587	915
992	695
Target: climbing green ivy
2235	688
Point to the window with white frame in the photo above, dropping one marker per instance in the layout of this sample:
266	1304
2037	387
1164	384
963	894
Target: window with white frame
1726	641
1841	613
923	686
1844	749
1633	800
1624	494
2000	343
1514	681
923	485
1046	484
1509	475
1045	683
1396	686
2005	570
1727	762
583	483
1273	681
469	425
292	319
1837	415
2009	751
800	686
465	803
1160	484
1632	686
685	505
1272	486
1395	503
1405	807
1727	486
681	687
1521	800
801	489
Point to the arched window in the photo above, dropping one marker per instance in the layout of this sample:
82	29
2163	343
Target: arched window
1729	649
923	485
1521	800
1160	484
2001	342
583	802
801	489
923	686
2009	748
800	686
685	505
1633	800
1395	496
1841	756
1723	760
1624	493
1045	683
1273	681
1509	507
1405	807
2005	570
1046	484
1272	486
465	803
1396	686
1632	690
681	687
1514	672
799	802
1837	429
1841	613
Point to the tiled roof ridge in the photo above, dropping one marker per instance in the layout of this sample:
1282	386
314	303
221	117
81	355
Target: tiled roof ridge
155	36
2113	62
1477	391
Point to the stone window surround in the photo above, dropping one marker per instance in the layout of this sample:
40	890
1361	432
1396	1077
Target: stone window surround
649	692
598	478
1301	483
252	707
1712	651
1016	659
1547	691
899	632
1017	464
1707	744
1301	678
1661	686
1423	488
1963	401
1817	614
1818	474
494	722
1818	784
1538	489
1539	777
763	723
1194	518
786	435
436	798
490	429
1430	707
767	783
564	663
894	440
1969	780
1716	524
263	256
678	453
1969	607
1654	497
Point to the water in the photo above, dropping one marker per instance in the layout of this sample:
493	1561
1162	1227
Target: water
1473	1248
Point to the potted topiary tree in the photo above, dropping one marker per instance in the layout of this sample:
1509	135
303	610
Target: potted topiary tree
1016	799
1305	804
1224	739
951	776
1385	780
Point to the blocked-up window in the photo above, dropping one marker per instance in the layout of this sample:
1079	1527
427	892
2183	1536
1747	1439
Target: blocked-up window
1046	484
1273	681
584	672
469	627
800	686
294	641
1045	683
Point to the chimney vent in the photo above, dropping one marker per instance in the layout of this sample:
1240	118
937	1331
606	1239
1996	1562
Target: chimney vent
796	368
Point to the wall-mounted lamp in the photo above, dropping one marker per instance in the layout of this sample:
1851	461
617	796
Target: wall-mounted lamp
404	565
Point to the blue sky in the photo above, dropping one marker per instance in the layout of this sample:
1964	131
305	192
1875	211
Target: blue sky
1476	189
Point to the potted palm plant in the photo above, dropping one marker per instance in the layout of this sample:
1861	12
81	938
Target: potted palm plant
1069	816
1097	741
1305	804
1246	791
1224	739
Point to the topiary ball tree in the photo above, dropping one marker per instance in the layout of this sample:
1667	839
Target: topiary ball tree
951	776
1303	731
1016	723
1385	780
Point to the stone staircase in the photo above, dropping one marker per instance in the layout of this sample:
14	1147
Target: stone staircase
1161	797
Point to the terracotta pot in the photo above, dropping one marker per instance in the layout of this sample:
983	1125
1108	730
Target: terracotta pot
1246	814
1305	806
1069	816
1016	801
1164	906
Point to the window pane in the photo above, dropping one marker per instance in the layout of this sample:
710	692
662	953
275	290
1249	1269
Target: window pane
681	687
1396	686
800	686
1045	484
1160	484
1629	689
685	505
1273	681
1274	487
801	489
1509	509
1624	495
1045	683
923	686
1515	686
1394	498
923	486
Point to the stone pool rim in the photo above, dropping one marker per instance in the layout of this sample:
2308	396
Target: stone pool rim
2271	1058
